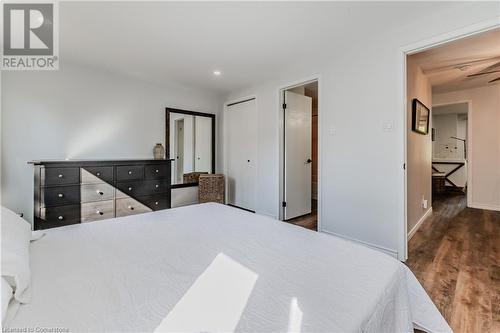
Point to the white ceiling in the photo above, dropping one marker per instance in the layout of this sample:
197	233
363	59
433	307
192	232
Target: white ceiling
448	66
164	42
458	108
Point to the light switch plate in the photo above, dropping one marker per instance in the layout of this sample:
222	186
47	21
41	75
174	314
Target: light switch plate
424	204
388	126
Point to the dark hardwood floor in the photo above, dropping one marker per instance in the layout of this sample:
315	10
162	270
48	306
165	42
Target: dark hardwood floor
456	257
309	221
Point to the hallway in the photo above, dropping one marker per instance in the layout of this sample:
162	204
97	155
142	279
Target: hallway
456	257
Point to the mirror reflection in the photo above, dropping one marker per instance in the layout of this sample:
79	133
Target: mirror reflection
190	146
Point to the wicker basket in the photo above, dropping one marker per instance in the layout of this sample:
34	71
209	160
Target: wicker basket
192	177
211	188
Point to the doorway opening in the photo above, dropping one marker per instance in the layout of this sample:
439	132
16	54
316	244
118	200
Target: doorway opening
299	177
452	172
451	98
450	136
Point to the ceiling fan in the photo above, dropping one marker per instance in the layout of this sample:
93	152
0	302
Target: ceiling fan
495	68
463	64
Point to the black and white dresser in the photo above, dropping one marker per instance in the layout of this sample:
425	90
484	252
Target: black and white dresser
70	192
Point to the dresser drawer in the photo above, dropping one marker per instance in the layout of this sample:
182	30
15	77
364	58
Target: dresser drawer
155	187
126	189
96	174
60	216
60	176
158	171
147	187
156	202
100	210
129	172
97	192
60	195
130	206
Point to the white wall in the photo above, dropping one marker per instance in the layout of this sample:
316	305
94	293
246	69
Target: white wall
362	178
418	149
82	113
184	196
484	136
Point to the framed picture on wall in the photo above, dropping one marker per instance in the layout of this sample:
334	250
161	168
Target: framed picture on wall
420	118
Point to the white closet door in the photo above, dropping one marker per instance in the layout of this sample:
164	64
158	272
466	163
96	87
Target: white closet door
241	129
203	144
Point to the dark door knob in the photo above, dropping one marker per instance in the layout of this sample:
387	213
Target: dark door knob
308	161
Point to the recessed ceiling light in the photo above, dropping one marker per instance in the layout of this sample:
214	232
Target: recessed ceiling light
217	73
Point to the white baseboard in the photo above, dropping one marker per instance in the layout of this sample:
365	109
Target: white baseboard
184	204
419	223
385	250
481	206
268	215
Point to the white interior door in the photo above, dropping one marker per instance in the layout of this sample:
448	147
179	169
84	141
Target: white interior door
203	144
298	139
241	143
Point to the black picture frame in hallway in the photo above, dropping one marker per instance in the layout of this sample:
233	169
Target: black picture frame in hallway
420	117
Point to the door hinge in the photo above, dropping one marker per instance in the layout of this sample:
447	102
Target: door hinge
283	204
284	106
404	166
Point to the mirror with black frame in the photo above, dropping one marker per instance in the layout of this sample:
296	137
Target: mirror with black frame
190	143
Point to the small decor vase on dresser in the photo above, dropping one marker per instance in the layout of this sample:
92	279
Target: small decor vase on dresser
159	152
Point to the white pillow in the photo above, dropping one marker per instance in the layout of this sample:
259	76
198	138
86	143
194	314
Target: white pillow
16	235
6	297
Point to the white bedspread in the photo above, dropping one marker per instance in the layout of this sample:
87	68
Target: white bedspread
211	267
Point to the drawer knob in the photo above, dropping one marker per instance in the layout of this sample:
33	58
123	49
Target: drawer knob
130	188
157	170
60	195
130	172
131	207
60	175
100	192
98	174
157	185
60	217
156	203
99	212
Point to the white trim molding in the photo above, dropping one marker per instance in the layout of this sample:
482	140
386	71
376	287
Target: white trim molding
483	206
392	253
419	223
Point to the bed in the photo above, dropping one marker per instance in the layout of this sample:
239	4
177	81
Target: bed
211	267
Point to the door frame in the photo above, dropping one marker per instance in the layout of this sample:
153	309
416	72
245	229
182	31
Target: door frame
469	144
224	140
405	51
281	148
